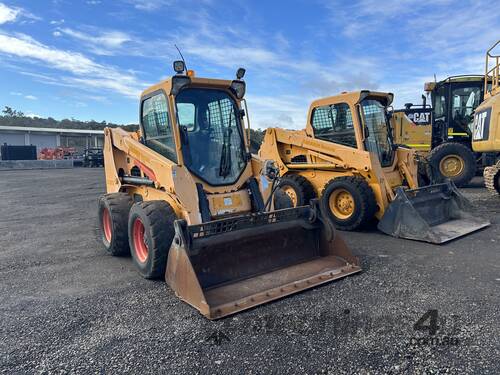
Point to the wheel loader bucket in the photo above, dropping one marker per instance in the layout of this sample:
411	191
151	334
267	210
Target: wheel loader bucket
228	265
435	213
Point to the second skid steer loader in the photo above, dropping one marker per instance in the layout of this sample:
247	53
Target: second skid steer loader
191	204
347	157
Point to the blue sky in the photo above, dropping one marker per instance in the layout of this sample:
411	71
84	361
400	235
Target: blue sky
90	59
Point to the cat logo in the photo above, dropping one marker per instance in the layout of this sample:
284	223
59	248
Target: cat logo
481	125
420	118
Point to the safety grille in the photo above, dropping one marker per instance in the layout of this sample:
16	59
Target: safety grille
220	114
249	221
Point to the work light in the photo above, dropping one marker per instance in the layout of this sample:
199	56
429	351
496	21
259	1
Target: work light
179	66
240	73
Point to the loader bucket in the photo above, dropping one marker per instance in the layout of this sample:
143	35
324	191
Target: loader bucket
228	265
435	213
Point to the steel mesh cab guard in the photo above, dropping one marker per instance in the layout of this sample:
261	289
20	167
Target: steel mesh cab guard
228	265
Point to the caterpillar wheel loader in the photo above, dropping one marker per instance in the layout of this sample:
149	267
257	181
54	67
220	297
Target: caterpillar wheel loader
190	203
346	156
442	134
486	134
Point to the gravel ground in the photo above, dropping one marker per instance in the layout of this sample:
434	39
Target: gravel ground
67	307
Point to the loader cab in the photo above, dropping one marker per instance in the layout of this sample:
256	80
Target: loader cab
454	101
357	120
198	123
211	134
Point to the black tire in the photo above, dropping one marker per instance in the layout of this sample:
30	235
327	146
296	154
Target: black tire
365	204
304	191
157	218
115	234
449	149
423	176
282	200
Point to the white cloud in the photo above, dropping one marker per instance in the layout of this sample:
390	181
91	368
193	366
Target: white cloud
84	71
30	97
149	5
107	39
57	33
8	14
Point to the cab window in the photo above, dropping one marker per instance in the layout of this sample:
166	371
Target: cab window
334	123
158	133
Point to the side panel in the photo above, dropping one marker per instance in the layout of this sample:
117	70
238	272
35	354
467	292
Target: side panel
486	133
409	133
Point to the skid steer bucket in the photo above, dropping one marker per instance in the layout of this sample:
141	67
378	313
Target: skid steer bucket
228	265
436	213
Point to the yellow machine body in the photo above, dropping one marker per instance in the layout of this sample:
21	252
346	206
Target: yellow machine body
231	249
322	155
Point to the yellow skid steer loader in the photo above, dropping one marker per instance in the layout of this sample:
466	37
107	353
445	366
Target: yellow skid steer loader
346	156
191	204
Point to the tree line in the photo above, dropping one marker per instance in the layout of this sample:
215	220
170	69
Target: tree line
12	117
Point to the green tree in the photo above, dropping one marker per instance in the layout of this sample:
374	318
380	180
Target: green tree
8	111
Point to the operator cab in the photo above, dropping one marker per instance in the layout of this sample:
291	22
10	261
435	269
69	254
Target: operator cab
454	101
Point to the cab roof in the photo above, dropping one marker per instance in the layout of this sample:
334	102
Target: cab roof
352	97
195	81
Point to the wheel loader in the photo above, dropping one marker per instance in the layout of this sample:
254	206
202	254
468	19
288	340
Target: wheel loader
486	133
442	134
347	157
189	202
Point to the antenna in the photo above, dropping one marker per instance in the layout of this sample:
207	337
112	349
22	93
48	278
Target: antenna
435	80
182	57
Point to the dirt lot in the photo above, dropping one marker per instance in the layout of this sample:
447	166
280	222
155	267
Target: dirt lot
67	307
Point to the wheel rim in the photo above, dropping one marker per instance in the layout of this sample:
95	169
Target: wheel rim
140	245
451	165
292	194
106	225
342	204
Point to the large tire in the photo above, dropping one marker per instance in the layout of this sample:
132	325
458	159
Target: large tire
113	212
282	200
151	231
492	178
298	188
454	161
349	202
423	177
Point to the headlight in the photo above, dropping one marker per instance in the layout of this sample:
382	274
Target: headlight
238	87
179	66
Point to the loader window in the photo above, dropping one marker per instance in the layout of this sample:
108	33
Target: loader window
156	125
439	102
464	102
186	113
334	123
211	134
378	140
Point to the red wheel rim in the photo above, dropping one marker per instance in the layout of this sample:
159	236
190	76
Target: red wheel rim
140	246
106	225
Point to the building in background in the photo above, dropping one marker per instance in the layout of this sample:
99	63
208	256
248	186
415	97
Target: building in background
51	137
